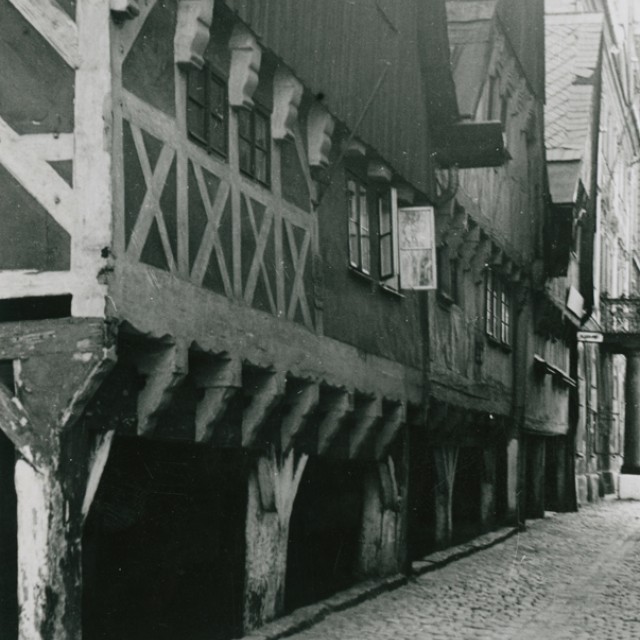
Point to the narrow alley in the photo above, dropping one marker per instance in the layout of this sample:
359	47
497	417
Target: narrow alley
571	576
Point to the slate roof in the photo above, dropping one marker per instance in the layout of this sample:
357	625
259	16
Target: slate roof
572	50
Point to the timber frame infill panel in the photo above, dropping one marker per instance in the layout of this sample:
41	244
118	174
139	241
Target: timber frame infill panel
83	208
259	246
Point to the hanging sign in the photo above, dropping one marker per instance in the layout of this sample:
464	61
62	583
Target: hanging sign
417	248
589	336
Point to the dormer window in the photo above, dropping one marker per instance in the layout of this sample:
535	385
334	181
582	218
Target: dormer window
254	143
207	110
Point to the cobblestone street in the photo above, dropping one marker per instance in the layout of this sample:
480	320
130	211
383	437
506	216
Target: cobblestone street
570	576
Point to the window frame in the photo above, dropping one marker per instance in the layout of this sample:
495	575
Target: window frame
388	236
498	308
256	112
211	77
355	199
447	272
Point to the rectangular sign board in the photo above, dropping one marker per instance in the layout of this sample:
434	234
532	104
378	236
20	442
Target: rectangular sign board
589	336
417	244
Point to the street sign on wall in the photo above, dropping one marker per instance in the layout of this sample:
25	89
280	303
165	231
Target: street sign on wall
417	248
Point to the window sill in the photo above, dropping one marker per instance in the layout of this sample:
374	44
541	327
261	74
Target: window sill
494	342
361	275
391	290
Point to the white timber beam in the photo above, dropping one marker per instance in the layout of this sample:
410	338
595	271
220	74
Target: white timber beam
54	25
37	178
97	462
220	380
305	397
27	283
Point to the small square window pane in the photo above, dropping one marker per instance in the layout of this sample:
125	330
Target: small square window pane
262	131
244	124
385	214
365	252
197	86
196	120
386	257
262	167
245	156
354	256
217	134
364	212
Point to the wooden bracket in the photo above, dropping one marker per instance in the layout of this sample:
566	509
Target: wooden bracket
287	94
97	462
355	149
246	56
17	425
304	399
406	193
124	9
192	32
320	126
495	259
367	416
379	172
469	246
264	392
337	404
221	380
164	370
481	256
391	424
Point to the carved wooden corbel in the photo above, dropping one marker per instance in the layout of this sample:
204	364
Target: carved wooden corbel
124	9
320	126
379	172
354	149
303	399
392	422
221	380
264	390
246	56
336	405
164	370
287	94
192	32
368	413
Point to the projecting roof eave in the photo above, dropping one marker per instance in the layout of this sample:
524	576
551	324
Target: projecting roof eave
470	145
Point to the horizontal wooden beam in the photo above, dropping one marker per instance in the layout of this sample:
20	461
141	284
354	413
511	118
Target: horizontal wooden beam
26	283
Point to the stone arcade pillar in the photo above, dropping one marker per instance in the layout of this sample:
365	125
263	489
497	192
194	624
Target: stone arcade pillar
630	472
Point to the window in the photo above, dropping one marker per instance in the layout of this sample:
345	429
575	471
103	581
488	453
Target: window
386	236
207	110
254	139
447	274
359	236
497	308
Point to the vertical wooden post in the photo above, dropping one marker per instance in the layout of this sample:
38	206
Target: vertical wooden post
49	553
446	459
273	486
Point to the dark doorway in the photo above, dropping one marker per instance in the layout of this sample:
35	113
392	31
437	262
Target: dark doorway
467	495
164	544
422	485
502	483
535	476
324	531
8	542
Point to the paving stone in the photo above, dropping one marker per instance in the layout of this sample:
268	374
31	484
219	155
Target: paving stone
572	576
